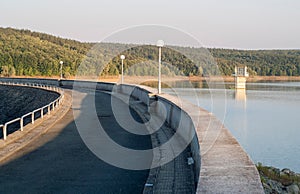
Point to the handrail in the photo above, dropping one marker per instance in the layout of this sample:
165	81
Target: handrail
5	126
54	104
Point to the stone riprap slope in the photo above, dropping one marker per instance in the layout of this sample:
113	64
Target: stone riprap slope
16	101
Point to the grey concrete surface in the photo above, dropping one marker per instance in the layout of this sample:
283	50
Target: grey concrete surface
59	162
226	167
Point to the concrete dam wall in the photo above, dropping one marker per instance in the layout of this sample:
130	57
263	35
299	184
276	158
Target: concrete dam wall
218	162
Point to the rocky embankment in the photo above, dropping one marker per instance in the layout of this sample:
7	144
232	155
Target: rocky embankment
276	181
16	101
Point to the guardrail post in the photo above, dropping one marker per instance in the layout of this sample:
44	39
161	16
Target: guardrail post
32	118
48	109
53	106
4	131
21	123
42	112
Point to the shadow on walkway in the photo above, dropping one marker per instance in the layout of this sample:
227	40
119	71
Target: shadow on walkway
59	162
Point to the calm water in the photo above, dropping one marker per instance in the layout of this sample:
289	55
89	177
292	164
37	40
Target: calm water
266	123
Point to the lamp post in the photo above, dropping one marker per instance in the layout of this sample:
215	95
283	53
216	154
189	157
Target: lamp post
61	64
122	70
159	44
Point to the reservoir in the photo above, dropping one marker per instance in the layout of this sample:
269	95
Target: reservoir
265	119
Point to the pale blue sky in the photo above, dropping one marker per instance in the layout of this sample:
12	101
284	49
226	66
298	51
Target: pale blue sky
247	24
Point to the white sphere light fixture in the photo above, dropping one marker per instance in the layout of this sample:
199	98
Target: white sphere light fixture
122	57
160	43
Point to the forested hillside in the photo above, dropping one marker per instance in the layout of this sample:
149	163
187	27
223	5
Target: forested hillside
26	53
262	62
32	54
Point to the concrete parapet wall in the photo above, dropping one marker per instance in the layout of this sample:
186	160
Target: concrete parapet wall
131	90
136	92
179	120
52	82
87	84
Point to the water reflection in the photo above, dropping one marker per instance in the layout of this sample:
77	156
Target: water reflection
240	94
264	118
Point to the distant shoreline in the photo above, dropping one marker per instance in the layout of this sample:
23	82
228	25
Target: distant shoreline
250	79
140	79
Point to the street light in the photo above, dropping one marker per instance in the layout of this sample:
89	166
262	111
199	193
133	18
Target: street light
61	64
122	76
159	44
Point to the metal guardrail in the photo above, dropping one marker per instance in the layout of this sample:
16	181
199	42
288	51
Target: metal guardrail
50	107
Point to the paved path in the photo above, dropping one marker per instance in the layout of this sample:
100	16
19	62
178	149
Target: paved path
225	166
59	161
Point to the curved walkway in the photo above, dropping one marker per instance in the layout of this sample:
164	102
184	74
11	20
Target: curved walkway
59	162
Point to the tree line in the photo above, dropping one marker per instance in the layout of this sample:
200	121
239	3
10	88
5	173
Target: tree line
26	53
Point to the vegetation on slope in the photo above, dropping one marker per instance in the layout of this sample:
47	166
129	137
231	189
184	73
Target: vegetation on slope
26	53
34	54
275	180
